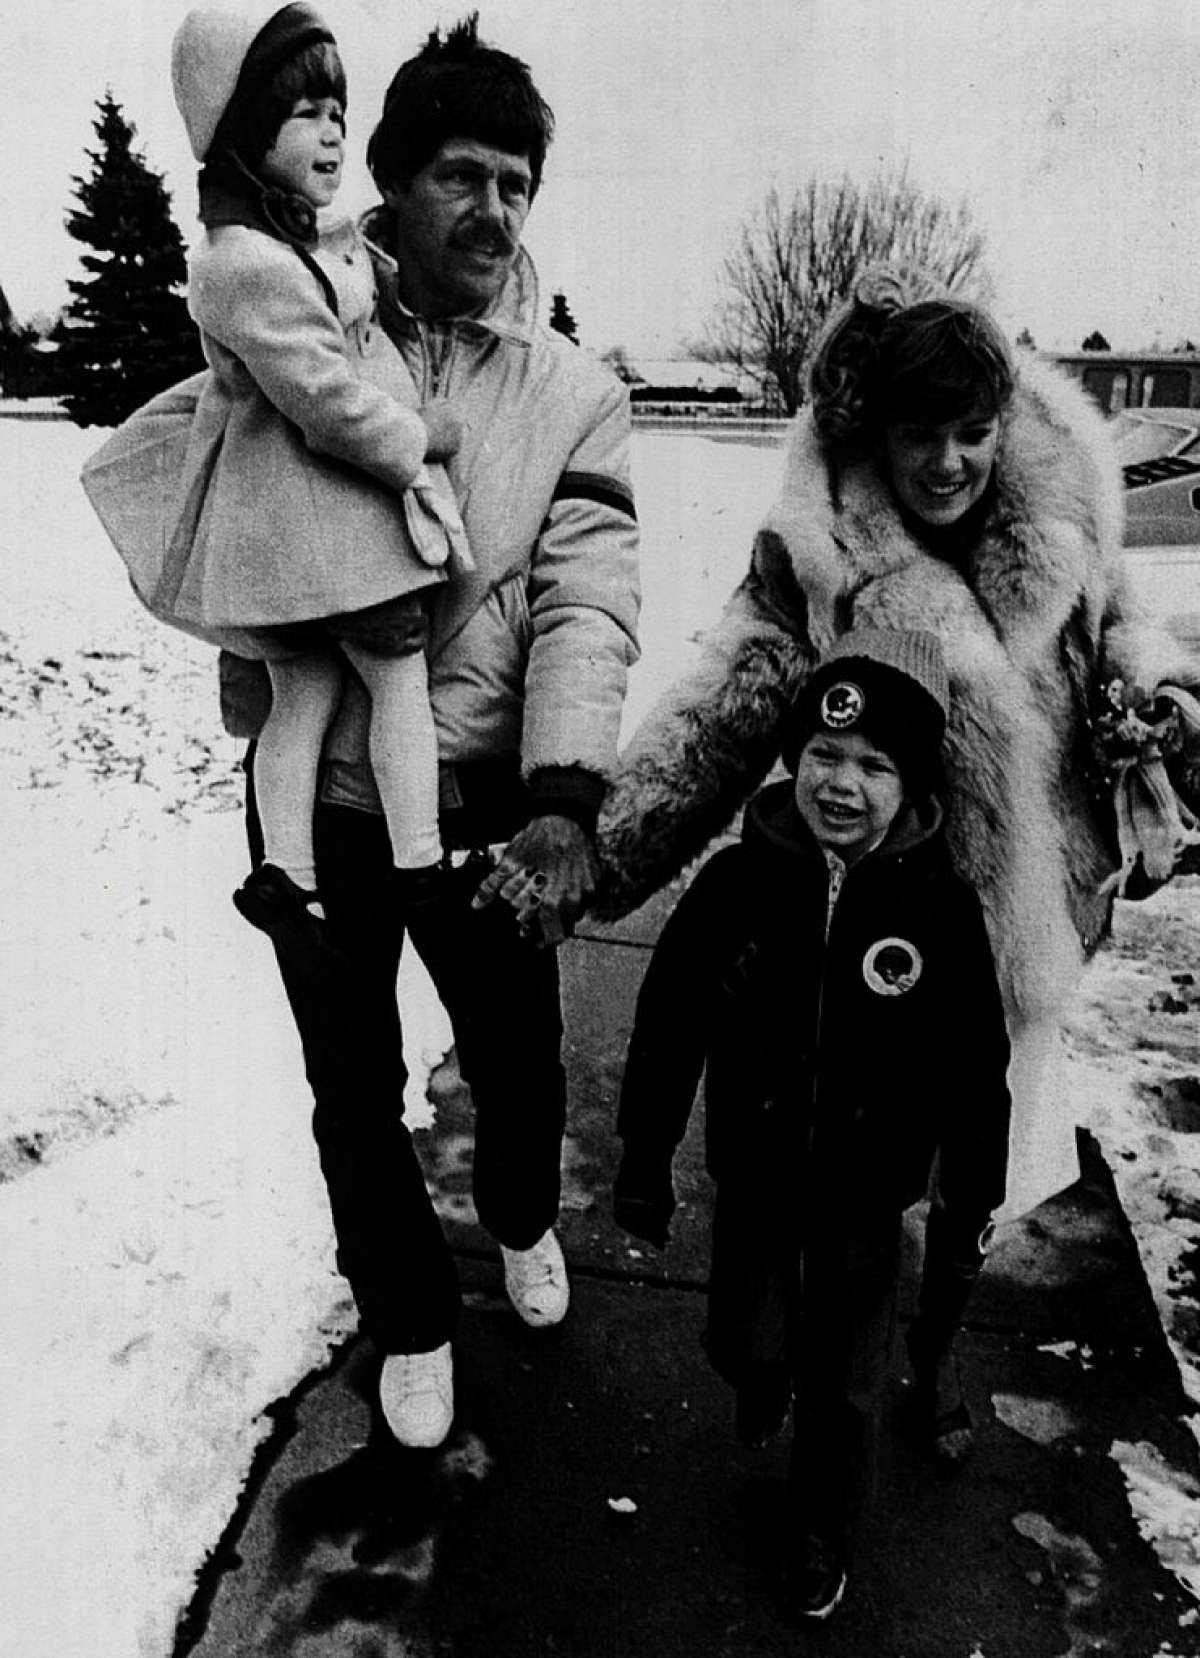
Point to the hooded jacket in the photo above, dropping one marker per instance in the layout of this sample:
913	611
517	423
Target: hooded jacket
1032	621
846	1036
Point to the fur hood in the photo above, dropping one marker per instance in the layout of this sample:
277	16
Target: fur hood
1034	619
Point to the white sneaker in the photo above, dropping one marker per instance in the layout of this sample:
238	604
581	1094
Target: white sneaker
416	1391
536	1281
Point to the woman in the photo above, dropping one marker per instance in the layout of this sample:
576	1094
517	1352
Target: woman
934	481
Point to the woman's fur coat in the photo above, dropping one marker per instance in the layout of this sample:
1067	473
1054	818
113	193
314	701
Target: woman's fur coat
1032	624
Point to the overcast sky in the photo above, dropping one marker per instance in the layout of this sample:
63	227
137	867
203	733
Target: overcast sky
1072	127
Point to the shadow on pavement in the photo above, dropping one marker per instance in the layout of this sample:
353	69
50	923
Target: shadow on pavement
592	1501
506	1542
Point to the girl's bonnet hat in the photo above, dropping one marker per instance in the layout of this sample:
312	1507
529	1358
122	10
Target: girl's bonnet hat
220	52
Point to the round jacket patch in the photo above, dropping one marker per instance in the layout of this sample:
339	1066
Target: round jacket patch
891	966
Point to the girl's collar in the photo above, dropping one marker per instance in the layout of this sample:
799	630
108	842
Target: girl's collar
230	194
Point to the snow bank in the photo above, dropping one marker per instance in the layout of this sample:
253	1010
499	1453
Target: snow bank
166	1248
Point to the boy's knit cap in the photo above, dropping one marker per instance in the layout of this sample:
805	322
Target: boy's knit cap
220	50
890	685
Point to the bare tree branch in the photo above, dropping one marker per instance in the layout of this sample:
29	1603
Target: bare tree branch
795	260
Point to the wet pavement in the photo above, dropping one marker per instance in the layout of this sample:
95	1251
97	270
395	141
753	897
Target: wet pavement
592	1501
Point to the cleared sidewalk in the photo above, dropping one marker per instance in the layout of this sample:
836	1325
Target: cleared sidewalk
592	1501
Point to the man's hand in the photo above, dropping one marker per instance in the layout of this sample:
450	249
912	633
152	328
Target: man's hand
547	873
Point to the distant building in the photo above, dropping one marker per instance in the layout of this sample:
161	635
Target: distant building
692	374
686	385
1135	379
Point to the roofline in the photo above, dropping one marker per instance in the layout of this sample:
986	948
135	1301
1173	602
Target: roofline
1191	358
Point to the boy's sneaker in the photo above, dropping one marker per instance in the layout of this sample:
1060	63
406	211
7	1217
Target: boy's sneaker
536	1282
416	1391
761	1412
818	1578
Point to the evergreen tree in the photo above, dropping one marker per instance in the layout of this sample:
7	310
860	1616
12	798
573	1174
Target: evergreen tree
18	361
126	333
16	352
561	319
1096	342
617	358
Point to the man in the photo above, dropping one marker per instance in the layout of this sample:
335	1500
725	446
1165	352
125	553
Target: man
528	664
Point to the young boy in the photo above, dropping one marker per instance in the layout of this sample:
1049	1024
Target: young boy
832	977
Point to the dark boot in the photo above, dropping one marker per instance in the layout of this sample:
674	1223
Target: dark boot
826	1484
271	901
816	1578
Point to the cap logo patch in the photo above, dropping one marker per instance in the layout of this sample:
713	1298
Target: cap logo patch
842	705
891	966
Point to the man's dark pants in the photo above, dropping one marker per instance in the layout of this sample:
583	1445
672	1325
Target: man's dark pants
502	996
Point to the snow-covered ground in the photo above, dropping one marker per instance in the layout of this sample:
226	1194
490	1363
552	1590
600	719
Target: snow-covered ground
167	1259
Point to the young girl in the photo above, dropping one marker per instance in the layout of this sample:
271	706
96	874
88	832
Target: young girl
832	976
319	533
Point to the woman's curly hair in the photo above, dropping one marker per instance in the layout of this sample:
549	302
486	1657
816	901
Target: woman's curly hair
902	344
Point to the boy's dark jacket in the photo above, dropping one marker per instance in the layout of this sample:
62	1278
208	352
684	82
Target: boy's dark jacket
818	1087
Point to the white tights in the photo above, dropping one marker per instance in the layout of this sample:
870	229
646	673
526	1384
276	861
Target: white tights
403	747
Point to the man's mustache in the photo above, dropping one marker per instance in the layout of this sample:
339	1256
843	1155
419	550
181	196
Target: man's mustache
494	244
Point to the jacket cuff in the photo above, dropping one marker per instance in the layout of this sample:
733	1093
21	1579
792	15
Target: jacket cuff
568	791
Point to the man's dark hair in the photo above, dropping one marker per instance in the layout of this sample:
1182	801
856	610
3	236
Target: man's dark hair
457	87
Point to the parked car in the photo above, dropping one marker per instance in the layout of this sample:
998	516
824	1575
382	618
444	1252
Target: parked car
1160	455
1148	437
